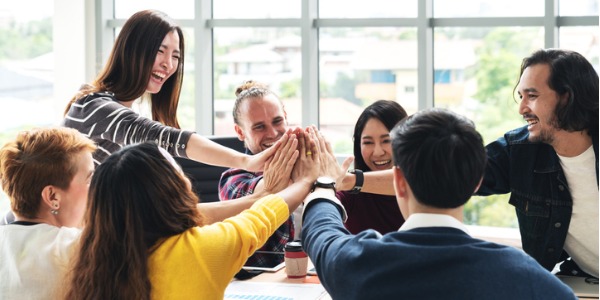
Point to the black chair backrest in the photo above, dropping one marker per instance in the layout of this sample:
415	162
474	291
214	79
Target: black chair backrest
205	178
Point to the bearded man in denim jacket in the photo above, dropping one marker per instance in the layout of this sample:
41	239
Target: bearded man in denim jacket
550	166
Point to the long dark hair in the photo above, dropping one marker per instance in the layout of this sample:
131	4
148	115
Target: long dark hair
129	66
571	74
136	198
388	112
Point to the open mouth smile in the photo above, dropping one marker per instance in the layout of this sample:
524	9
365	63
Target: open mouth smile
159	76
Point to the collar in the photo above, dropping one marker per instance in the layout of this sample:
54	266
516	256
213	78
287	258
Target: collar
26	223
432	220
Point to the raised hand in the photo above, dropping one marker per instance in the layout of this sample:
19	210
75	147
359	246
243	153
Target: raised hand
328	163
308	165
256	162
278	168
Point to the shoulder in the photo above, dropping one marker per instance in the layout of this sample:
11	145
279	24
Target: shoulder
96	98
240	173
514	142
95	103
61	239
239	176
517	136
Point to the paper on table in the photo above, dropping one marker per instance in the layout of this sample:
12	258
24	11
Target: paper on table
581	286
274	291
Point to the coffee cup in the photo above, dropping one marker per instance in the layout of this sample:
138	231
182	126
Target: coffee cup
296	260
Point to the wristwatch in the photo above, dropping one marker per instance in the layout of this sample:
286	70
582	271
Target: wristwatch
324	182
360	178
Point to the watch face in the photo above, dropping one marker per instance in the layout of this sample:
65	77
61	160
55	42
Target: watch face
325	180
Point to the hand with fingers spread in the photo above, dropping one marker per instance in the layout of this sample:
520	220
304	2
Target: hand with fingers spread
328	163
257	161
278	168
307	166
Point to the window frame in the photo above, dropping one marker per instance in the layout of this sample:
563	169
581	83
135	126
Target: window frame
309	24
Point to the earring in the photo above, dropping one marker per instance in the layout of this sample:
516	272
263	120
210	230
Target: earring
54	209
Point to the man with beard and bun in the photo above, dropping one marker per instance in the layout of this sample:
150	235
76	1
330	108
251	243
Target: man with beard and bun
260	121
550	166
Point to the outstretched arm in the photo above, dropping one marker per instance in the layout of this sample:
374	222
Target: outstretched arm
375	182
219	211
204	150
275	178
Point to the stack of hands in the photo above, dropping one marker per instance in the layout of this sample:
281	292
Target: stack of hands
302	155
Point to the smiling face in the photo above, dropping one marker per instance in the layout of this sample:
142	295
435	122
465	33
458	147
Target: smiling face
538	103
375	145
166	62
262	122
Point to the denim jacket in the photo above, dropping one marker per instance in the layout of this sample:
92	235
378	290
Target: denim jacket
531	172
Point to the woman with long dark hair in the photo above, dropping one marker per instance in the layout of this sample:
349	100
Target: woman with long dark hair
146	61
373	152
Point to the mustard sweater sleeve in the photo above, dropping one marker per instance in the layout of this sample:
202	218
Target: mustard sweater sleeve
200	263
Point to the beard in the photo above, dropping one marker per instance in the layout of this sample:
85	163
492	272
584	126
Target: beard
546	134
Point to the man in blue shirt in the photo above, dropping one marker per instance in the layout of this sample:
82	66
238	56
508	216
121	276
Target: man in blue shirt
550	166
439	161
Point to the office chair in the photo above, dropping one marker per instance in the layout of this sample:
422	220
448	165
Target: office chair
205	178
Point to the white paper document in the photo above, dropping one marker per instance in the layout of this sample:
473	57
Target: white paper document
273	291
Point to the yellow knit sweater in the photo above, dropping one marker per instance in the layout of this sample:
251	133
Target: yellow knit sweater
200	262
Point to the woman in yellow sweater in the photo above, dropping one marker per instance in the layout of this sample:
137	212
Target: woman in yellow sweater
144	237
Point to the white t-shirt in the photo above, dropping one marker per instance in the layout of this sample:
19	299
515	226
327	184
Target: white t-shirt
582	238
34	260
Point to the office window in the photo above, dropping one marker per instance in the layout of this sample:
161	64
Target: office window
187	109
26	70
266	55
578	8
367	9
476	69
256	9
26	66
487	8
442	76
184	9
490	59
359	66
382	76
585	40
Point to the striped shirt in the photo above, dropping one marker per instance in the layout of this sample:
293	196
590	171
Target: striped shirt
100	117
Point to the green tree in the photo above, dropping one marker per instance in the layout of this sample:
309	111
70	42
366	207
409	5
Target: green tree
290	89
25	40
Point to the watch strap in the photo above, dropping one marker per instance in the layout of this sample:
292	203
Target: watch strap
358	184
